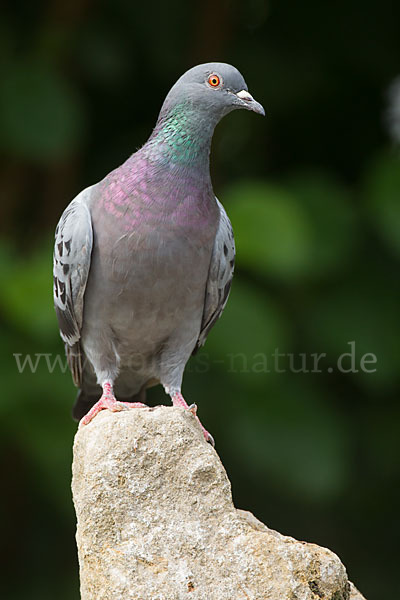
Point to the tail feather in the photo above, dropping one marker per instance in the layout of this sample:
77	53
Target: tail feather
74	357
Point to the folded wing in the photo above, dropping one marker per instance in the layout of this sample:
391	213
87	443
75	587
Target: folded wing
71	264
219	276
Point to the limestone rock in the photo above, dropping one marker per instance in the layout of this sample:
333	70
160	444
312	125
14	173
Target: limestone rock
156	521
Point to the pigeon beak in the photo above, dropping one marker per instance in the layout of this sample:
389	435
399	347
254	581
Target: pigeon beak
247	101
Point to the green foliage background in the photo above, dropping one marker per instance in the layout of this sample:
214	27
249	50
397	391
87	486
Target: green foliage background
313	192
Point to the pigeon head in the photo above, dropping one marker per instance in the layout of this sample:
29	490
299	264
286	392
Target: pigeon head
214	89
192	109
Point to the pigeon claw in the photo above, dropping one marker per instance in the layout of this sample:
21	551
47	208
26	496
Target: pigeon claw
179	400
209	438
193	409
108	402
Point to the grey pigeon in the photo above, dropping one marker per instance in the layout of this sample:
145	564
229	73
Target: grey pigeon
143	260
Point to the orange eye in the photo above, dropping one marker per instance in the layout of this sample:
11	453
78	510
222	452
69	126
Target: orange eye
214	80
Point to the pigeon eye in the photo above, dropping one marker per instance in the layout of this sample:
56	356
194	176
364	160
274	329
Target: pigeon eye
214	80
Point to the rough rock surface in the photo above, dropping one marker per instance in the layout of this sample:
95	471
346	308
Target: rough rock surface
156	521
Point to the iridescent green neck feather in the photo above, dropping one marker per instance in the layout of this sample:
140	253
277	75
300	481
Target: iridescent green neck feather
182	137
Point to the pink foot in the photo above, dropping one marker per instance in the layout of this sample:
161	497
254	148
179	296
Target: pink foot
179	400
108	401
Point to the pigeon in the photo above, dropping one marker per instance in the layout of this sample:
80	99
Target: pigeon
143	260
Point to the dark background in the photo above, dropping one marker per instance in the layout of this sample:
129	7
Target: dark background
313	192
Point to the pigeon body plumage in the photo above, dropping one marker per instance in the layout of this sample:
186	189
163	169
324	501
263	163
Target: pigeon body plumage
144	259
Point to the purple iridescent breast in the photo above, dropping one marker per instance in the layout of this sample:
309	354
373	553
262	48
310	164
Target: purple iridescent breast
141	194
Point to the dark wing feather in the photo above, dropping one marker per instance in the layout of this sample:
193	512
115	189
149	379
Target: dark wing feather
219	276
71	264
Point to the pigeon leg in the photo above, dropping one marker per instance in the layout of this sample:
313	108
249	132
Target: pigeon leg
179	400
109	401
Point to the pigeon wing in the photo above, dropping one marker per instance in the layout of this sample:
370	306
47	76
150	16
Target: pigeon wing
219	276
71	264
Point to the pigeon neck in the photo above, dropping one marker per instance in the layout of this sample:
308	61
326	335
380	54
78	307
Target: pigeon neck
182	139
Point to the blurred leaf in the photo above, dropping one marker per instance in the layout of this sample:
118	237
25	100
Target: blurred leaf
382	195
273	234
334	232
41	117
250	329
303	229
26	300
